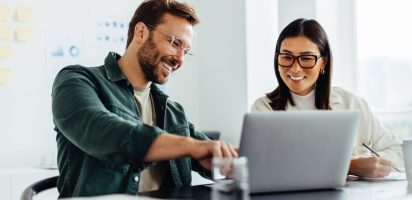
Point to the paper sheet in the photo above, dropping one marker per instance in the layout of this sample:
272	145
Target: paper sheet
23	34
5	12
5	51
6	32
393	176
24	13
5	76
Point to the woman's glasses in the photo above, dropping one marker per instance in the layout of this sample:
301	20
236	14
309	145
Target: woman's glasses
304	61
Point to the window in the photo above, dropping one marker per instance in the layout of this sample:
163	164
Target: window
384	78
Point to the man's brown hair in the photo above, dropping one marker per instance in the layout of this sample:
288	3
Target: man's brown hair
152	11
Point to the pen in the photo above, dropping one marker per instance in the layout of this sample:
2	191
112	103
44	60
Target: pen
374	152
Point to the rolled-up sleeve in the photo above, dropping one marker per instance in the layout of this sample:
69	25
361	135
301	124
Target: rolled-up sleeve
195	163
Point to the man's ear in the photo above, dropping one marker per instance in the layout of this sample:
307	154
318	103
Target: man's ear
141	33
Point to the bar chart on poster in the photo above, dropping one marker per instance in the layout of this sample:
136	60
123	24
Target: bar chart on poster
37	39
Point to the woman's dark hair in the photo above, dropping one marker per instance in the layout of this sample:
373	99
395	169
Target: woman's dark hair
314	32
152	11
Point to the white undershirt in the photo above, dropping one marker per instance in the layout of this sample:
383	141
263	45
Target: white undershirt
145	104
306	102
150	178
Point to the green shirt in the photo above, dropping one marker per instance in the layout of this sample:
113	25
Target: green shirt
101	140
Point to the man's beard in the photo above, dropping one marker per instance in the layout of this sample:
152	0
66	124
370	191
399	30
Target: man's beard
149	61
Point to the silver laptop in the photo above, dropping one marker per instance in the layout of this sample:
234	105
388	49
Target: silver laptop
298	150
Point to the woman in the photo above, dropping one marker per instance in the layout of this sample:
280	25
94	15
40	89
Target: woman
303	67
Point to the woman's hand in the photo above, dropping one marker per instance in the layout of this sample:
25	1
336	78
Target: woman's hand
371	167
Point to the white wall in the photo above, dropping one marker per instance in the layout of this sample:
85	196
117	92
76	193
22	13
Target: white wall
338	19
222	67
290	10
261	36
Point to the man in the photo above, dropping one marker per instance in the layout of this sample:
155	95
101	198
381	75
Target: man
116	131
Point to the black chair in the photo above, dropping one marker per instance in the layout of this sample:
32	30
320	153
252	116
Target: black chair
213	135
39	186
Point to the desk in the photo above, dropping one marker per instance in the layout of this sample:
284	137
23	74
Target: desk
353	190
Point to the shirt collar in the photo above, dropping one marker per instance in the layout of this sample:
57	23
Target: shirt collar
310	95
156	91
114	73
112	68
335	98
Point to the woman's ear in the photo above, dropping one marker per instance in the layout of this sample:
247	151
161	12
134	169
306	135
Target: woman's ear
323	60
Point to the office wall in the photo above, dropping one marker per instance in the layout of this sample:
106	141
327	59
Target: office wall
261	37
339	21
222	67
290	10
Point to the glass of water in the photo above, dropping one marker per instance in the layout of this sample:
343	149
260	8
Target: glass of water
231	178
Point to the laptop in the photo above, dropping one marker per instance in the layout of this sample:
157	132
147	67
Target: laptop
298	150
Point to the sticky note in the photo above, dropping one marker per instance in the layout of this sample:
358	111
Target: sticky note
5	75
23	13
5	12
23	34
6	32
5	51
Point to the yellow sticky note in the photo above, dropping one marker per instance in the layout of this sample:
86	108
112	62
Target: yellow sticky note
23	34
6	32
5	51
5	75
5	12
23	13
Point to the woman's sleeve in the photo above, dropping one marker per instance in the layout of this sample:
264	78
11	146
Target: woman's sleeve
380	138
261	105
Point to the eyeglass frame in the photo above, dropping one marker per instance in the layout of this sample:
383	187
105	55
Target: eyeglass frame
297	58
186	51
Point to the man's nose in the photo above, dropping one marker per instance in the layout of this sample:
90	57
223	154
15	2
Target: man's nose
180	56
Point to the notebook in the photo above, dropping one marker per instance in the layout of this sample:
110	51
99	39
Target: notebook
298	150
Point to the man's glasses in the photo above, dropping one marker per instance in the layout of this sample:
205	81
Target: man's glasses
175	42
305	61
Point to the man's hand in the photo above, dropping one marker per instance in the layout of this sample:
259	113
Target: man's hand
204	151
371	167
169	147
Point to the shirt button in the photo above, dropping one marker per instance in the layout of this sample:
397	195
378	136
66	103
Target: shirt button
136	179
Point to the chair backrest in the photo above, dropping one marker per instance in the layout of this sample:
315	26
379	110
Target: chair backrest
39	186
213	135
